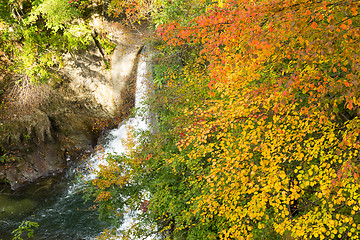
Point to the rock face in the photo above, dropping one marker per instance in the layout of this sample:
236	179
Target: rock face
34	147
39	144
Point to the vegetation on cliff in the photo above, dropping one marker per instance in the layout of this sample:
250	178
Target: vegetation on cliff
34	35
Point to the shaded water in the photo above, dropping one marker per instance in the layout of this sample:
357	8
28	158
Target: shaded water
56	204
60	212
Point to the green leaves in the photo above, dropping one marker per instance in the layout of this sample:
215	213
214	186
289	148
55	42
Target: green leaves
57	13
77	35
25	227
37	35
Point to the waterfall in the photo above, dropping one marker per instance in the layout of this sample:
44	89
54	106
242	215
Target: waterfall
140	121
63	215
114	139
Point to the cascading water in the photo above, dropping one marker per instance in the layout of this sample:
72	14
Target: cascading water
64	215
114	139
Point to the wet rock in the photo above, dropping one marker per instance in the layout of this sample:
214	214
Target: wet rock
33	151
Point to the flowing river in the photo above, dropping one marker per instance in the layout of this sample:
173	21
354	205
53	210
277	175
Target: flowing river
57	204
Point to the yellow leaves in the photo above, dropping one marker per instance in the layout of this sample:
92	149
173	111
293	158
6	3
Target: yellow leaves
103	196
221	3
271	150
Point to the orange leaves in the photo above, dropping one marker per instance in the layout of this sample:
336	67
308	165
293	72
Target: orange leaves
343	26
171	26
331	17
314	25
354	11
211	84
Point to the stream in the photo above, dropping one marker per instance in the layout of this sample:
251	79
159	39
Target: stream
57	204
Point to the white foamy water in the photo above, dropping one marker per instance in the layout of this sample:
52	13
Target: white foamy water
114	143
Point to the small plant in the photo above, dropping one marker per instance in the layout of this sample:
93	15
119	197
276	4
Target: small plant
25	227
107	45
5	158
107	64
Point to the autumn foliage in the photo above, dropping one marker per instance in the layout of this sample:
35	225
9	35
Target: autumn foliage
258	127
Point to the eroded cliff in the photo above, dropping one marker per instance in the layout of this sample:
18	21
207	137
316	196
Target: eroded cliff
89	97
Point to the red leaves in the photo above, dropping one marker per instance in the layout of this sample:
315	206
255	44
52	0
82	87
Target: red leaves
347	172
160	30
211	83
184	34
171	26
144	206
339	174
356	176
